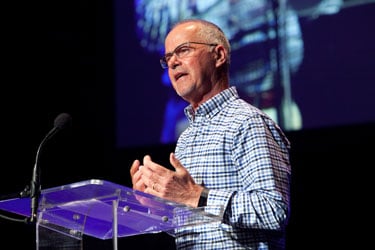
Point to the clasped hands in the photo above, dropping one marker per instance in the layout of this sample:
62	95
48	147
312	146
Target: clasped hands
177	186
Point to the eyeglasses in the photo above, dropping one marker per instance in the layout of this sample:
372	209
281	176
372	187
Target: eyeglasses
181	51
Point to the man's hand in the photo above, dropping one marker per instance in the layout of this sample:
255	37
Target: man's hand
177	186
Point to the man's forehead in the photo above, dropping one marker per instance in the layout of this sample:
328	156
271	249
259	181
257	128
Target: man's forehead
180	34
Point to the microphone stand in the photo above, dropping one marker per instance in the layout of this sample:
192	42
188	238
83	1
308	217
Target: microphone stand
35	187
33	191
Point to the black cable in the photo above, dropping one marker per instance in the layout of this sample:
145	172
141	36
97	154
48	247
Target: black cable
24	220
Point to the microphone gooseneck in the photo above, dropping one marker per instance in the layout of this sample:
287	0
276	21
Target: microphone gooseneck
61	121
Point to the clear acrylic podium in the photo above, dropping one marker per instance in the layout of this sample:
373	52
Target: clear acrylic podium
104	210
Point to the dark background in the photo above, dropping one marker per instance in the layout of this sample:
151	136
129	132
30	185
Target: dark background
57	56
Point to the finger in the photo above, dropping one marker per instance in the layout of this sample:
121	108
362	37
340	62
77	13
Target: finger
147	179
154	168
153	189
139	185
137	181
134	167
137	175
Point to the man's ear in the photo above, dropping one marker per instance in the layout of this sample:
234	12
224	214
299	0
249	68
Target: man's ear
221	55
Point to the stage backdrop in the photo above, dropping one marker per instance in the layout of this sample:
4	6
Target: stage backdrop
307	64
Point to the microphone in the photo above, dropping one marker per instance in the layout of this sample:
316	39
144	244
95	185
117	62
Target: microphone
62	121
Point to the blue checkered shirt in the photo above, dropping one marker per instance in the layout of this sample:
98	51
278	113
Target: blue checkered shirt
242	157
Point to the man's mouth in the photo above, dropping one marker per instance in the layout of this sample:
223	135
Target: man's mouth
178	76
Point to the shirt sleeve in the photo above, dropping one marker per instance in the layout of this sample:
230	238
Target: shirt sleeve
261	156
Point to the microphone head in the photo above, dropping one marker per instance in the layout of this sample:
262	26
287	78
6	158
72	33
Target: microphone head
62	121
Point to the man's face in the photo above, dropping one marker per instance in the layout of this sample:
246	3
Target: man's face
190	73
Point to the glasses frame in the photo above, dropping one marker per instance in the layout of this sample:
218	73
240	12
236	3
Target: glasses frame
164	61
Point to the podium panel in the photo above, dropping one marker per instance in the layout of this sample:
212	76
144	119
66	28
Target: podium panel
105	210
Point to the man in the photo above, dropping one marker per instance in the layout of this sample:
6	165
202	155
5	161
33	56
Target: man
231	154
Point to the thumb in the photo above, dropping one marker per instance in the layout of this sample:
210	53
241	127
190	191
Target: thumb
175	162
146	158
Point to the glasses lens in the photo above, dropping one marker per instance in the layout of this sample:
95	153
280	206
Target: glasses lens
163	63
180	51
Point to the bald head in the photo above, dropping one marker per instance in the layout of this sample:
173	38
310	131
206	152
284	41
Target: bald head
205	31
